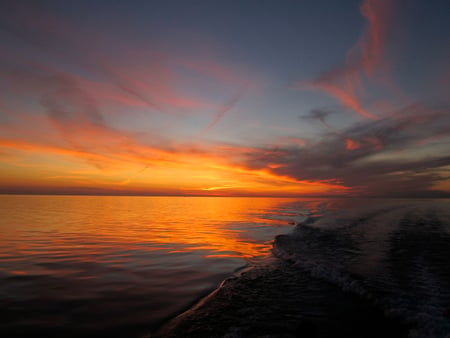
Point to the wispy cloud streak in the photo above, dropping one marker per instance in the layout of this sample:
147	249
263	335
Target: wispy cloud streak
227	107
364	61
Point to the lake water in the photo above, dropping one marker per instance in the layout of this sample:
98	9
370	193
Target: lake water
102	266
85	266
354	268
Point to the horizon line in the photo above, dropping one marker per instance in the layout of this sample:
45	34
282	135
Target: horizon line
436	196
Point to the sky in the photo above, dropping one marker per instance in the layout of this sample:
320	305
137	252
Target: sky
225	98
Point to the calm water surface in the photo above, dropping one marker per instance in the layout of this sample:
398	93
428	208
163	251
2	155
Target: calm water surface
103	266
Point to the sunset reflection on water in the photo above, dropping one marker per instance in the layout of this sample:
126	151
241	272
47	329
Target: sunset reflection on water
222	227
154	254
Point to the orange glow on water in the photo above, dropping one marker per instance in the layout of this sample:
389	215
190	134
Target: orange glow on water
58	227
163	250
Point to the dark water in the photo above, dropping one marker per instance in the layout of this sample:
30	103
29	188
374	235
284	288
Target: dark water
79	266
121	266
365	268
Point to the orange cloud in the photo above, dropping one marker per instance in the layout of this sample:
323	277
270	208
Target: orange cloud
345	96
351	145
126	165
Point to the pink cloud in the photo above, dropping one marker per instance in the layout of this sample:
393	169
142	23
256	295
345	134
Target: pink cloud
364	61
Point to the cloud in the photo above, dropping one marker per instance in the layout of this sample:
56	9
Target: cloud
67	94
379	14
73	80
363	62
227	107
318	114
381	157
69	105
402	152
119	71
351	145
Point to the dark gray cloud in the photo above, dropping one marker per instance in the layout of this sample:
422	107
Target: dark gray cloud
319	115
68	104
364	156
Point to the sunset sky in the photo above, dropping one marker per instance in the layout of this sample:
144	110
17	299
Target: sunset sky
246	98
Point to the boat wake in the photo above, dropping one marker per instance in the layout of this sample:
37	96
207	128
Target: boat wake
359	271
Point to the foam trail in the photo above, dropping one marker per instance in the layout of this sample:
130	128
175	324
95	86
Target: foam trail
391	256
